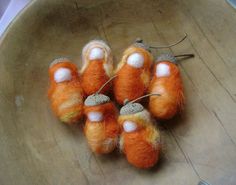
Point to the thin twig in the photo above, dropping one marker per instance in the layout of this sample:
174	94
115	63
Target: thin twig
105	84
144	97
171	45
185	55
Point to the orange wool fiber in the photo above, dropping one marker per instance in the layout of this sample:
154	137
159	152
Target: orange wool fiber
65	95
132	82
94	77
102	134
170	87
97	67
141	145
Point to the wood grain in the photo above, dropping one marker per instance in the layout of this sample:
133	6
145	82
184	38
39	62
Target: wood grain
200	144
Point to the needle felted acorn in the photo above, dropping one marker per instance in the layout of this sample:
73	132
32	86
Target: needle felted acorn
133	73
97	67
167	82
65	92
140	139
101	127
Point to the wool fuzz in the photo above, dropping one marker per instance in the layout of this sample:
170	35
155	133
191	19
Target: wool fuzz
140	139
65	92
167	82
97	67
101	127
133	74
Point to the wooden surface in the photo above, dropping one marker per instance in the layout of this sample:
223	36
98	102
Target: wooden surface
36	149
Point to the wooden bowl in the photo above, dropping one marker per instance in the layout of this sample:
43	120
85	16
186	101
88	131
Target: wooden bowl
200	144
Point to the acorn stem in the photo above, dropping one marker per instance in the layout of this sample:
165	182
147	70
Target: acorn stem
141	97
171	45
185	55
99	90
139	40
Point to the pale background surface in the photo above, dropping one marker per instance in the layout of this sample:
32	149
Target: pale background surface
3	6
8	10
37	149
233	3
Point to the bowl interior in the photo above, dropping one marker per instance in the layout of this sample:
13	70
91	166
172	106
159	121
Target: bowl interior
37	149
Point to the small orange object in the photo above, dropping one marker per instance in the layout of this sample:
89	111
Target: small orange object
65	92
97	67
167	82
101	127
140	139
133	73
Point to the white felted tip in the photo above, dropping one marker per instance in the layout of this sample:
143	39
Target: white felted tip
59	60
166	57
98	44
162	70
107	56
96	53
135	60
129	126
62	75
95	116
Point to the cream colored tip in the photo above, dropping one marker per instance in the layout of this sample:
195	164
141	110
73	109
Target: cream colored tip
58	60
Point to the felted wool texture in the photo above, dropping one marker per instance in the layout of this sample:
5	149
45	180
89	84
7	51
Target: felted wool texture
95	116
132	80
96	53
62	74
102	135
135	60
162	70
141	146
97	66
129	126
66	97
108	58
93	77
167	82
96	99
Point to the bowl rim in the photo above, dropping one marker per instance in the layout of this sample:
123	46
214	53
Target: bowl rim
15	19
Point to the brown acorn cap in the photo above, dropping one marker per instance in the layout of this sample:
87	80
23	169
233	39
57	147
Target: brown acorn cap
139	43
96	99
166	57
131	108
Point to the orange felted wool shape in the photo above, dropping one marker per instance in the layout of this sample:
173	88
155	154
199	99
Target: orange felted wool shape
97	67
167	82
101	127
65	92
140	139
133	73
